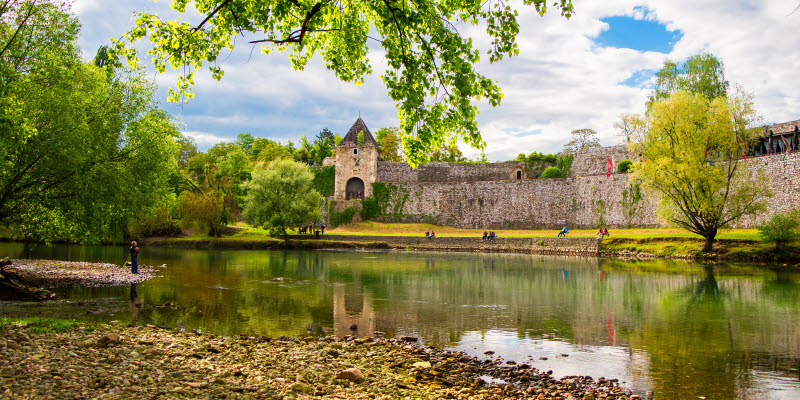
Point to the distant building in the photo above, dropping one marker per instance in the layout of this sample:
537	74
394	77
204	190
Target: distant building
776	139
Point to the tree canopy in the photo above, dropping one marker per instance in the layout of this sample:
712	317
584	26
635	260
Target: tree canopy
83	149
281	195
582	139
431	71
702	73
692	147
391	146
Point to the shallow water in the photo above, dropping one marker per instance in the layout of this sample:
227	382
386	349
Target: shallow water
677	329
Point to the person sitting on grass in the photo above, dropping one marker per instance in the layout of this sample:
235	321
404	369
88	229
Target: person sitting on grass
427	235
432	235
605	232
485	235
563	232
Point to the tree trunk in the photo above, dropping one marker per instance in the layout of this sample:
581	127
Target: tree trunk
708	244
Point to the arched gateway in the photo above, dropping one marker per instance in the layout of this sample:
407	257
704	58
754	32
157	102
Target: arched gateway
354	189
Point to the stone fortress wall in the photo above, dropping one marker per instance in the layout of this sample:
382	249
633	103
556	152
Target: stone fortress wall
483	196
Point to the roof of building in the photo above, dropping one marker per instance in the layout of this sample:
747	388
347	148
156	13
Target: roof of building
352	136
784	127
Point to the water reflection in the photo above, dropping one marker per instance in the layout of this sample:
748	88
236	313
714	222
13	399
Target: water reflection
681	330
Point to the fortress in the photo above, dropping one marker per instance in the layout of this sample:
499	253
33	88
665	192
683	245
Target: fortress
500	195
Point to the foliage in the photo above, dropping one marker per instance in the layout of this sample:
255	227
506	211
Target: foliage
631	127
702	73
564	163
245	142
535	163
38	325
781	229
370	208
600	210
447	153
391	147
281	196
390	198
157	222
83	149
632	202
624	166
582	139
204	210
551	172
342	218
266	151
360	138
324	180
430	65
692	148
187	148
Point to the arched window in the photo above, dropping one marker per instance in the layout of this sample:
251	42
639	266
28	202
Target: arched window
519	174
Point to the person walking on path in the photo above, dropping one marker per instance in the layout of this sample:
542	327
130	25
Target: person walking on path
134	253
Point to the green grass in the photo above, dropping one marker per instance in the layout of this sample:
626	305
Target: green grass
41	325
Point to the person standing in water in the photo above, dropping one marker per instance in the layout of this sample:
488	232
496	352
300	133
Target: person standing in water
134	253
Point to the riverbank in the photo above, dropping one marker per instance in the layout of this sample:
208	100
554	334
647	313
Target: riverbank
644	247
24	279
123	362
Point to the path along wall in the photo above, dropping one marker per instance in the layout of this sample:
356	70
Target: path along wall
582	202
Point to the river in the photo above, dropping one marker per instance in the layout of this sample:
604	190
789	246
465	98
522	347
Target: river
673	329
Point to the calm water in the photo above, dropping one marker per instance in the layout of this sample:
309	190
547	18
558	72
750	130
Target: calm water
678	330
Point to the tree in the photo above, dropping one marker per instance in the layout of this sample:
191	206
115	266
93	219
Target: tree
204	210
389	140
245	142
702	73
582	139
692	148
281	195
188	149
430	74
448	153
631	127
781	229
83	149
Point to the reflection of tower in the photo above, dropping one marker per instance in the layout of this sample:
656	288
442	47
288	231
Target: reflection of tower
345	313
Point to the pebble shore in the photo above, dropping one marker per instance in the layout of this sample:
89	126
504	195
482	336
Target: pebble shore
116	362
54	273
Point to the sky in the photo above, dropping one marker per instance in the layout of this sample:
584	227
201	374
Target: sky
570	74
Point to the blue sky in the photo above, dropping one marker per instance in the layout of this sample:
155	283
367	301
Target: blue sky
570	74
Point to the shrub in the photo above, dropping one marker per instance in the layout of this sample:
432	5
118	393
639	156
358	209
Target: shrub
342	218
156	223
781	229
370	208
324	180
551	172
624	166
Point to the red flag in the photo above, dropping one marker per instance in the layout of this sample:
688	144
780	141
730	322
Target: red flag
608	171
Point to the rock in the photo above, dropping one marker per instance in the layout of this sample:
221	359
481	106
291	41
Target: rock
543	358
351	374
108	340
421	364
408	338
97	383
488	352
300	387
196	385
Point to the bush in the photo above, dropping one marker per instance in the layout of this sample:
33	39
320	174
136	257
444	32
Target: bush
324	180
157	223
370	208
551	172
342	218
624	166
781	229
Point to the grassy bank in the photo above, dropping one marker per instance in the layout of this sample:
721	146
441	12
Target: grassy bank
742	245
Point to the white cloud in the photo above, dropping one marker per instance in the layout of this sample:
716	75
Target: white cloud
205	140
560	82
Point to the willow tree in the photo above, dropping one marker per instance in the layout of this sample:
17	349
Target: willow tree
692	151
430	65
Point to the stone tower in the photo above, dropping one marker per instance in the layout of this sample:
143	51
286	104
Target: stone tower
356	164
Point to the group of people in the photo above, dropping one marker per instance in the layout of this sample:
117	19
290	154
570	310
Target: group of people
311	229
603	232
356	195
489	235
430	234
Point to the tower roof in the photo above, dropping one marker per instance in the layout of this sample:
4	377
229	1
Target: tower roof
352	135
